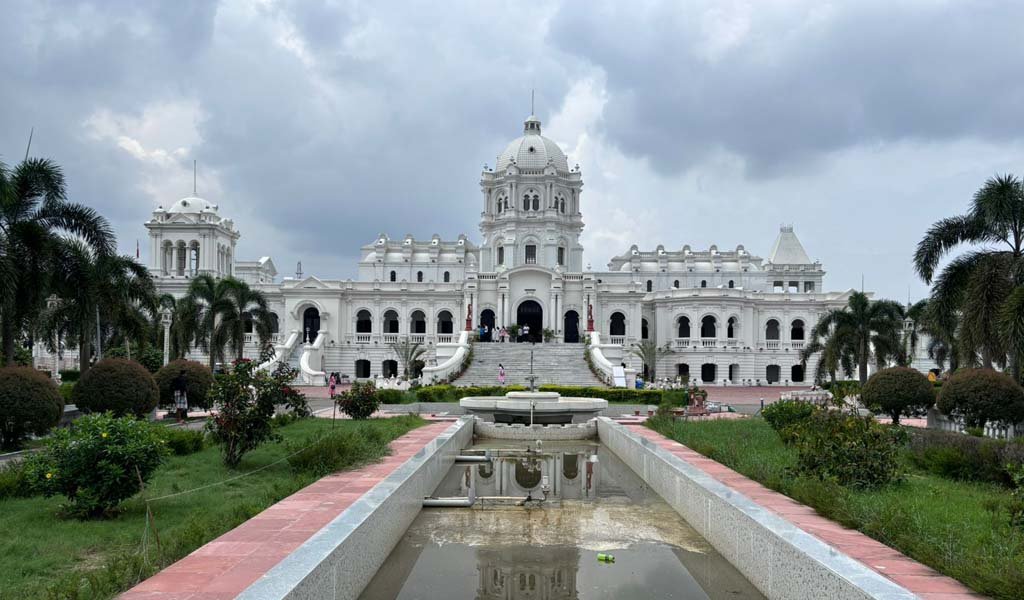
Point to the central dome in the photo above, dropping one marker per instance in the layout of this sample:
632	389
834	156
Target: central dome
532	150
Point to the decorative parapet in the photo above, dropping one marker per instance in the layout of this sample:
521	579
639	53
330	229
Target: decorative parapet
502	431
453	364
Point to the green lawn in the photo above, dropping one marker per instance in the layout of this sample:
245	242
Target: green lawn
957	528
44	556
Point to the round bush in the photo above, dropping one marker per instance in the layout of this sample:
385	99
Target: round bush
360	401
29	404
784	415
897	391
848	450
979	396
118	385
198	379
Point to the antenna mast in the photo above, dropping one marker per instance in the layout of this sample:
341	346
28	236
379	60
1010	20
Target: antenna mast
194	168
29	147
531	102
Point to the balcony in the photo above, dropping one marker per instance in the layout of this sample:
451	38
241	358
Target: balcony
363	338
682	343
418	338
797	344
390	338
772	344
708	343
617	339
445	338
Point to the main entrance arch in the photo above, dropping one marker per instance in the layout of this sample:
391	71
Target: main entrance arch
530	313
572	327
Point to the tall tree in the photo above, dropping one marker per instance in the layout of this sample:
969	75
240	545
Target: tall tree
974	288
241	308
408	353
648	352
206	299
35	218
866	328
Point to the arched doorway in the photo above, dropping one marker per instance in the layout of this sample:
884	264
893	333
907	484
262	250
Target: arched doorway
389	368
391	322
364	322
617	324
530	313
571	327
487	318
772	373
310	324
418	322
362	368
708	371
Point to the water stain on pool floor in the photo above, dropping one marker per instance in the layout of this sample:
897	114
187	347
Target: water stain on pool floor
551	554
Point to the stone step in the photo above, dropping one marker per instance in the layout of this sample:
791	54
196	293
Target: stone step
557	364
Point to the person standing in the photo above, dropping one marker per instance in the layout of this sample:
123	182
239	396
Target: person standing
331	384
501	374
526	332
179	386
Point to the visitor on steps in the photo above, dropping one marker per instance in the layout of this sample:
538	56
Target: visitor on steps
331	384
180	388
501	374
526	333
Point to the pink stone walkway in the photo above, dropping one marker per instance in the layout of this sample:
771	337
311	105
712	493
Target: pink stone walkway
223	568
891	564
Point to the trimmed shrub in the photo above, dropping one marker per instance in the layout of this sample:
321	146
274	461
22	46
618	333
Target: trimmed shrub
848	450
119	386
783	415
360	401
198	379
898	391
963	457
979	396
70	375
182	442
30	404
100	462
623	395
66	390
395	397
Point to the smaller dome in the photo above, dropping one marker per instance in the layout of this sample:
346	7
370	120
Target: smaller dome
532	150
192	205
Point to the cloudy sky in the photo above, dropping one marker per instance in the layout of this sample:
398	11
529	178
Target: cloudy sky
317	125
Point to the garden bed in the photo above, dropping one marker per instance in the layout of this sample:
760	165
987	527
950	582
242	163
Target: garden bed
958	528
66	558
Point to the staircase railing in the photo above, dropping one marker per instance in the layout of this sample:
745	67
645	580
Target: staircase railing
453	364
311	354
282	352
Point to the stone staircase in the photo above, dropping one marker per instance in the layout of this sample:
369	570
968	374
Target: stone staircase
557	364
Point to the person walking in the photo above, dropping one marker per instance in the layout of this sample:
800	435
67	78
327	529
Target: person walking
179	386
501	374
331	384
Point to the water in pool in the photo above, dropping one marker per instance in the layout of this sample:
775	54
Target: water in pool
547	548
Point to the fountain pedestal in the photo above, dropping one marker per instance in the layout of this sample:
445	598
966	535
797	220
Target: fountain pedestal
533	408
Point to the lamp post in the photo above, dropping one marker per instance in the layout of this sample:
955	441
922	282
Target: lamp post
165	320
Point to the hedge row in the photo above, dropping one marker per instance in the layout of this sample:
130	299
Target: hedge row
450	393
964	457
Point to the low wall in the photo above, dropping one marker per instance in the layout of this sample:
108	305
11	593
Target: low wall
937	420
780	559
453	408
341	559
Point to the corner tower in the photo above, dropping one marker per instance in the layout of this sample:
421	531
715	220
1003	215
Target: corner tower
531	206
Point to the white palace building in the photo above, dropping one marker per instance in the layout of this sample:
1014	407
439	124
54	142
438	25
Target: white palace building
728	316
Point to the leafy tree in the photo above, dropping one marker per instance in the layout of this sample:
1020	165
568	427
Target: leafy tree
215	313
35	221
408	353
976	286
897	391
859	327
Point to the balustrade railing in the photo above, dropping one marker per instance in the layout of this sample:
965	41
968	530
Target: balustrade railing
682	343
772	344
363	338
797	345
708	342
390	338
418	338
617	339
445	338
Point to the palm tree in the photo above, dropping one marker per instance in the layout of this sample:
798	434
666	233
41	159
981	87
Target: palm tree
408	353
648	353
240	307
977	285
35	218
837	352
207	297
859	327
97	293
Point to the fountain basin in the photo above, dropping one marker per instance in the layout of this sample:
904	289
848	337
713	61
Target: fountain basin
533	408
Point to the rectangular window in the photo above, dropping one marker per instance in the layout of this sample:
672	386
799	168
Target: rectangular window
561	256
501	255
778	287
531	254
808	286
794	287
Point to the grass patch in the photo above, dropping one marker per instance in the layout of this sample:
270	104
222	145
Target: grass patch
958	528
60	558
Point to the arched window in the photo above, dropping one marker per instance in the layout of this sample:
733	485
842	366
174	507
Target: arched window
444	322
499	205
562	206
730	328
275	326
561	256
536	202
362	369
772	373
389	368
771	330
643	329
531	254
506	203
419	276
193	258
364	322
796	374
731	284
650	285
703	283
683	327
447	277
683	370
390	322
796	330
708	327
526	202
501	255
417	322
394	276
618	324
675	284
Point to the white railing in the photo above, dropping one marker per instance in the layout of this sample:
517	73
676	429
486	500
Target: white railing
598	359
254	338
251	338
282	352
772	344
732	343
311	354
937	420
445	338
682	343
363	338
617	339
418	338
797	345
436	373
572	277
390	338
708	342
